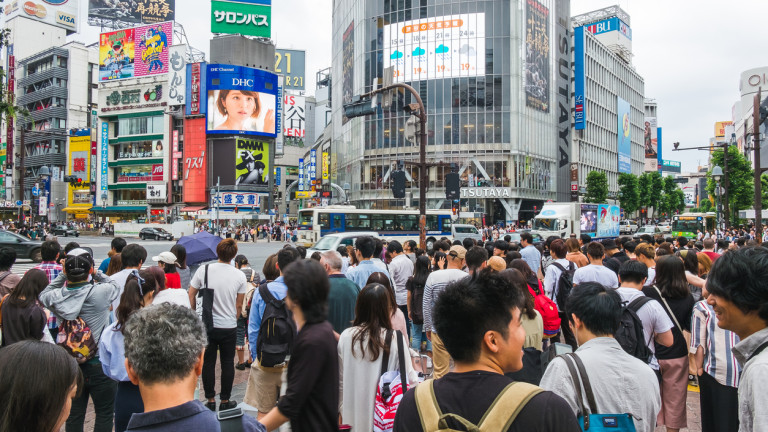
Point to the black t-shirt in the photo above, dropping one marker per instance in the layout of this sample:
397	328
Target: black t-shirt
683	309
470	394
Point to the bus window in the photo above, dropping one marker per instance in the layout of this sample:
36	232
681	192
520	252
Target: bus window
325	220
408	222
364	222
336	219
378	222
305	218
351	222
446	223
389	223
432	223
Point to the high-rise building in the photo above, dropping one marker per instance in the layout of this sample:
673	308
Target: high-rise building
609	102
495	79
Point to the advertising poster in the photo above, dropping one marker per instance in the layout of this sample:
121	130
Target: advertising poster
241	18
133	11
348	67
608	217
252	162
60	13
589	219
580	84
241	100
449	46
294	122
79	157
650	142
291	64
537	56
116	52
152	49
624	130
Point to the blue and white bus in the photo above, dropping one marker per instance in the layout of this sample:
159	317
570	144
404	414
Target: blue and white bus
401	225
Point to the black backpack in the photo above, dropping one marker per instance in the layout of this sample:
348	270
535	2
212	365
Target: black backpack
564	283
630	333
277	330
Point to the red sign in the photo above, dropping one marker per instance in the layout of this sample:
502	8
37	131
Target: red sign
94	148
194	168
195	86
157	170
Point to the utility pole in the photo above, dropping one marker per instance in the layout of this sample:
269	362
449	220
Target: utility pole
20	179
758	169
726	186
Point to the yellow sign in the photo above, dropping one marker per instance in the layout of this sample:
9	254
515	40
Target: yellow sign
79	165
326	163
304	194
720	128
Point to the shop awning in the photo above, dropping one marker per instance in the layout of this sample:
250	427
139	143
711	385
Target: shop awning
120	209
76	209
193	209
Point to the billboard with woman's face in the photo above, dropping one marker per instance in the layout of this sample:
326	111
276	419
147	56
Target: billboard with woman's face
241	101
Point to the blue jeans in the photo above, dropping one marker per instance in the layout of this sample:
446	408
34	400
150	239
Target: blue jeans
417	330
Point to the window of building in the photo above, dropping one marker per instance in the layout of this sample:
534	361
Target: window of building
140	126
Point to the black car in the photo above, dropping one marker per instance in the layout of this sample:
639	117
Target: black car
66	231
155	233
24	247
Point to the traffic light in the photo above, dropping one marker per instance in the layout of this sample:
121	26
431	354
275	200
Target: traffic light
452	186
455	206
398	184
358	107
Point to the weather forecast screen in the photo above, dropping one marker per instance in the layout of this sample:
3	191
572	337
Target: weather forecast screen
433	48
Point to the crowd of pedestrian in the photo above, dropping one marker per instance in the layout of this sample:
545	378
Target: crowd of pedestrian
386	336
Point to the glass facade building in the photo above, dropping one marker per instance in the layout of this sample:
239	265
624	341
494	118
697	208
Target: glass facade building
487	73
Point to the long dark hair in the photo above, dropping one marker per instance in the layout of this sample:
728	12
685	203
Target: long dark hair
690	261
382	279
525	270
670	277
31	400
421	270
29	288
160	279
372	314
515	277
181	255
133	296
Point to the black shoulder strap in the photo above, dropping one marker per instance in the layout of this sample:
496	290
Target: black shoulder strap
758	351
385	354
637	303
585	381
577	387
266	295
205	278
558	265
401	361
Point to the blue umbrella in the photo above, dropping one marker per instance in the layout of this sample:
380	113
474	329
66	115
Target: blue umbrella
201	247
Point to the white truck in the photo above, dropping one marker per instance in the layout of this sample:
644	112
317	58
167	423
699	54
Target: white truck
563	219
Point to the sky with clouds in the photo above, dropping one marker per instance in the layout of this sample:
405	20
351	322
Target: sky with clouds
690	53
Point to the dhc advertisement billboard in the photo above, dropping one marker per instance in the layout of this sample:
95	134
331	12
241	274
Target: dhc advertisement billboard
241	101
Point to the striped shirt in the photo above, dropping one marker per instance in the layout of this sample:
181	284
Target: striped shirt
436	283
52	270
719	360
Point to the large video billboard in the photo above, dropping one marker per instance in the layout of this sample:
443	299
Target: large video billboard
134	11
537	56
136	52
433	48
241	101
608	217
624	133
252	162
59	13
650	142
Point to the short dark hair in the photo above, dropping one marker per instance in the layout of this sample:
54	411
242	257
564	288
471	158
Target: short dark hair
70	246
133	255
475	257
633	271
682	241
308	287
558	249
467	309
739	276
468	243
366	245
49	250
379	248
226	250
527	237
598	307
342	250
118	243
501	245
586	239
395	246
7	258
630	246
596	250
302	251
507	237
647	238
285	257
268	270
411	244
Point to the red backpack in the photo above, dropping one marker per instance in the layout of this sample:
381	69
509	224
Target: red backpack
548	310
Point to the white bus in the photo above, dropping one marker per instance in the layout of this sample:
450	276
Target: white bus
401	225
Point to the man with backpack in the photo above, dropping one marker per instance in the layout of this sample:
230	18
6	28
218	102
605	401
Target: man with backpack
266	374
82	310
558	284
637	309
596	271
479	320
223	288
620	383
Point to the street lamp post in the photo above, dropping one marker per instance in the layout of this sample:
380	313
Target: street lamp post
717	174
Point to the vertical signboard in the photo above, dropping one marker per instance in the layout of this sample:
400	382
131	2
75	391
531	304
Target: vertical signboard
294	123
301	175
195	172
279	145
175	156
579	58
313	164
104	156
348	67
537	43
650	143
195	78
326	163
11	96
563	96
624	136
278	176
658	147
177	78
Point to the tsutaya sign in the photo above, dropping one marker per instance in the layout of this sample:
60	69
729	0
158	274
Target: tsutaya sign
486	193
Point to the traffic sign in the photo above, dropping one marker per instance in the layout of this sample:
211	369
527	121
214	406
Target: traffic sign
18	203
35	191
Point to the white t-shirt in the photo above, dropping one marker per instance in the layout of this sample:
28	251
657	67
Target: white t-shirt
226	282
596	273
655	319
172	296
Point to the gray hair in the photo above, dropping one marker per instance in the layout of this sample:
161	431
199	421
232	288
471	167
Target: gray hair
163	342
333	259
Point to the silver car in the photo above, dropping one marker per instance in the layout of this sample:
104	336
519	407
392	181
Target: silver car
461	231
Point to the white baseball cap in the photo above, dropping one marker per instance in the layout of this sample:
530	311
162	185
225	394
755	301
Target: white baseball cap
166	257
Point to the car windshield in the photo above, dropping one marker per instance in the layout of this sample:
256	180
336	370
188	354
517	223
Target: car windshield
160	230
465	230
326	243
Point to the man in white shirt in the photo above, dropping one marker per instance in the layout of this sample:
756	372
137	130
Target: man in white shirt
656	323
435	285
558	250
620	382
132	257
400	269
596	271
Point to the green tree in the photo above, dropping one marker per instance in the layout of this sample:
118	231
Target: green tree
764	189
656	186
739	180
629	194
644	190
597	187
669	200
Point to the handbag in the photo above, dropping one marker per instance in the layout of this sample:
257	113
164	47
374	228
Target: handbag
392	386
589	418
207	295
